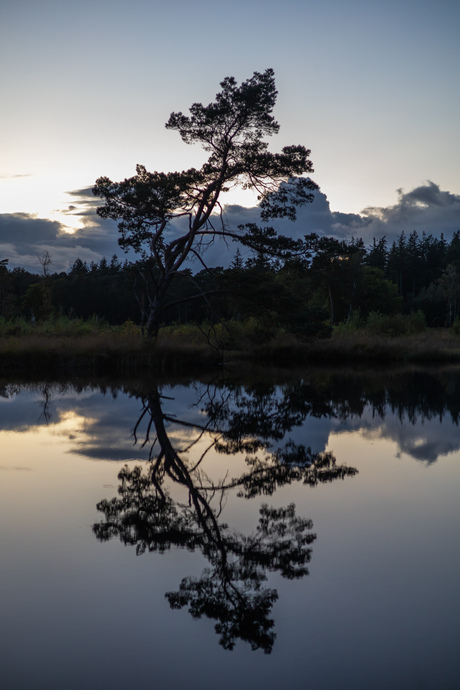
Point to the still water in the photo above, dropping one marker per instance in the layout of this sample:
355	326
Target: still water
296	529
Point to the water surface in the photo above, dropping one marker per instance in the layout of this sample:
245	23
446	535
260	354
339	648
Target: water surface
300	530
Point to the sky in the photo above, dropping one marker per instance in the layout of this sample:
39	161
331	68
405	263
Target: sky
370	87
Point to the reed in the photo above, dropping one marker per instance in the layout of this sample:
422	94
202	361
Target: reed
364	345
94	346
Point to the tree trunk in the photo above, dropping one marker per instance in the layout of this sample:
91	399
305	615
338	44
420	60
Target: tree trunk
157	305
332	304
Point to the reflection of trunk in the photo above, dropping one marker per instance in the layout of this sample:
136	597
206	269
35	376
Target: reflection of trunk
178	471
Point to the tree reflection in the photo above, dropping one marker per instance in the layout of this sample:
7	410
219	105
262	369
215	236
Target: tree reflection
234	420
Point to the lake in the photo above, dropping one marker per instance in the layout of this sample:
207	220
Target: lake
261	529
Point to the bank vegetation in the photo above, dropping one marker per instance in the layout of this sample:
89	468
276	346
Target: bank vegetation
64	344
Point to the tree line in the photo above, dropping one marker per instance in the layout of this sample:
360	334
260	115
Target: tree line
306	285
325	282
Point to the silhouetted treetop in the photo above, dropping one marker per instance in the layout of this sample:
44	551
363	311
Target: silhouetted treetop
232	131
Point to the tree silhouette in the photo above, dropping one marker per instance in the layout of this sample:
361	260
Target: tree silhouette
229	591
232	130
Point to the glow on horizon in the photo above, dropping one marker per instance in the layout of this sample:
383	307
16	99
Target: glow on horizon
370	88
36	196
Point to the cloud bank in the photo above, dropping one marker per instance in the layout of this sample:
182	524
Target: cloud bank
424	209
23	238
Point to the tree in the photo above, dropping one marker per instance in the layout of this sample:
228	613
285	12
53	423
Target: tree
45	262
232	129
337	267
37	301
449	283
255	420
3	282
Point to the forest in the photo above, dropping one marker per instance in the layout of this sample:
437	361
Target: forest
327	283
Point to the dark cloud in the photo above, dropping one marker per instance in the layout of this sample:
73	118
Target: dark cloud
315	217
24	237
24	230
429	195
425	208
85	203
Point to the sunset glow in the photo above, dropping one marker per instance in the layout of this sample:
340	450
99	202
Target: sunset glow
369	88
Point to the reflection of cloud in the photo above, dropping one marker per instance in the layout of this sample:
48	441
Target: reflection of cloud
116	454
13	469
99	426
107	430
313	433
25	416
94	420
425	440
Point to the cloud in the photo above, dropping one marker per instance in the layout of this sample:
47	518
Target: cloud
85	204
24	237
425	208
23	230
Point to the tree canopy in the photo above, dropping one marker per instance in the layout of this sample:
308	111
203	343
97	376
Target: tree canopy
232	129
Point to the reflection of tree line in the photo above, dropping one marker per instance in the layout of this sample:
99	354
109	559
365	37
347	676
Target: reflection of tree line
146	516
413	395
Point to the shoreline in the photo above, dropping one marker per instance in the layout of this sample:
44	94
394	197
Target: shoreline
119	353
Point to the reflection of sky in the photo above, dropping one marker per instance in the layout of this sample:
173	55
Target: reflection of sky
382	591
108	420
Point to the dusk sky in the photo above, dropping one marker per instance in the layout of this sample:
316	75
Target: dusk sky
371	87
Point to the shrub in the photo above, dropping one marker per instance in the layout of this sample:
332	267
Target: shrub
354	323
129	328
398	324
15	327
456	326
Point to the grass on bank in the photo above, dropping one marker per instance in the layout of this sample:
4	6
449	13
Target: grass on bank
93	344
